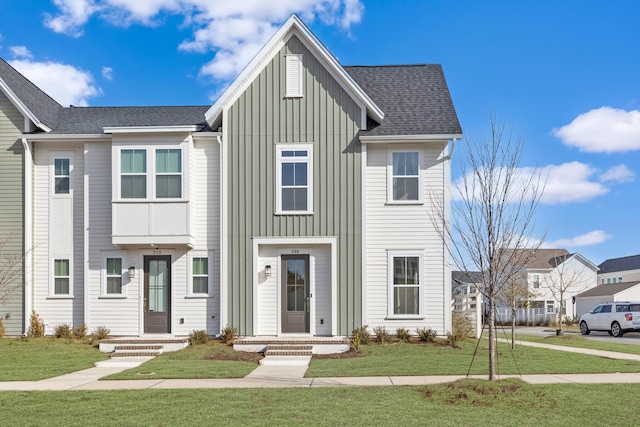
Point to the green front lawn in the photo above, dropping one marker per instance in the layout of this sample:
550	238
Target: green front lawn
33	359
573	340
467	403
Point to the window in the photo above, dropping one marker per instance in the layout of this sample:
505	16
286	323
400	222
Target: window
608	280
536	281
620	279
602	281
294	178
564	307
169	173
61	277
294	86
113	276
61	176
405	285
606	309
200	276
405	184
133	174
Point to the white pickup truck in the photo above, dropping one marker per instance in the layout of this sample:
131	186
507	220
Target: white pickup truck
615	317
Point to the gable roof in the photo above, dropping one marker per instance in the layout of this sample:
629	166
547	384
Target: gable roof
28	98
414	98
620	264
466	276
546	258
605	290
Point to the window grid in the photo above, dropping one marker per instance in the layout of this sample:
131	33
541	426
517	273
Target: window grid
61	175
61	277
133	174
113	276
168	173
294	179
200	275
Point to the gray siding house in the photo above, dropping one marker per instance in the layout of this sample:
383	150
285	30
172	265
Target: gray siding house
298	204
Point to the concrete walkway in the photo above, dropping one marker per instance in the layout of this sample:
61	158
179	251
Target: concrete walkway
282	376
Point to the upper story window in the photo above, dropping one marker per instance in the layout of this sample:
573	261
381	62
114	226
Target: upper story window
294	80
133	174
62	176
151	173
169	173
294	179
405	184
536	281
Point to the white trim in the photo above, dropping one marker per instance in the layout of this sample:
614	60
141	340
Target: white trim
52	277
85	243
390	176
404	139
308	159
61	155
17	102
191	256
151	129
103	274
269	50
363	205
28	232
66	137
294	83
391	254
224	258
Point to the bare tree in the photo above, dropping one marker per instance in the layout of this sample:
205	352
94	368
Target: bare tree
515	294
493	215
570	277
11	268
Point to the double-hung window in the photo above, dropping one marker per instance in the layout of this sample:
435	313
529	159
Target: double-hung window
169	173
61	176
133	174
404	177
61	277
294	179
200	276
536	281
113	276
405	284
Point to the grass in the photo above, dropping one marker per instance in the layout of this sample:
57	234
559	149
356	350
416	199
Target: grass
466	402
33	359
571	340
430	359
211	360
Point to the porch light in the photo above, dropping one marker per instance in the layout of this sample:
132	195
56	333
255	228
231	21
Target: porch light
267	271
132	272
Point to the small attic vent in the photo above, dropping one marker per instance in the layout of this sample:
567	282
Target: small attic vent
293	76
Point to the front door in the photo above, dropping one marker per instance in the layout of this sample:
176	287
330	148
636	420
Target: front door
157	294
295	293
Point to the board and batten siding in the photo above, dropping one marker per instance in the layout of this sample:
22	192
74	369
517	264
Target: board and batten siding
12	208
397	227
58	232
326	117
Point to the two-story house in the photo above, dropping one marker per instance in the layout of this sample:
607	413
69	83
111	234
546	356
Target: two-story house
619	270
300	202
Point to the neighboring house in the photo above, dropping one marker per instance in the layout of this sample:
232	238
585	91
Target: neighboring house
467	299
300	202
551	270
627	291
617	270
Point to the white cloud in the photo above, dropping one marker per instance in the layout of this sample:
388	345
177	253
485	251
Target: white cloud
233	29
107	73
65	83
620	173
20	52
591	238
603	130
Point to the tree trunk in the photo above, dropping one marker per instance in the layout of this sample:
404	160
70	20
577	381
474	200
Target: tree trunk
492	339
513	328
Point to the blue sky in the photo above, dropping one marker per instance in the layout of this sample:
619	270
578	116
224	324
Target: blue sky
562	74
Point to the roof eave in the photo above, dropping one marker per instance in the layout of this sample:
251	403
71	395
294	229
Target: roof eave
22	107
403	139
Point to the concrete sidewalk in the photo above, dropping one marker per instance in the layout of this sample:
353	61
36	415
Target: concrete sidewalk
270	376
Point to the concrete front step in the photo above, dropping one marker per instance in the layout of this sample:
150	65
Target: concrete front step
148	353
285	360
317	345
137	344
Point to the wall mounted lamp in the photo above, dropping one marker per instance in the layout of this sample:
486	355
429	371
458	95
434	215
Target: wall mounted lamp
132	272
267	271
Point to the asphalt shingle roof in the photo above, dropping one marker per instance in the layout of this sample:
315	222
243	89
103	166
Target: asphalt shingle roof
466	276
604	290
620	264
415	99
546	258
39	103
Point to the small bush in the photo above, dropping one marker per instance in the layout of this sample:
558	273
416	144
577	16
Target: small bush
403	334
426	334
381	334
198	337
360	336
62	331
228	334
80	332
36	325
1	328
100	333
461	327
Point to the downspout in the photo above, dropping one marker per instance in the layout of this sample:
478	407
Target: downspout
222	317
446	191
28	233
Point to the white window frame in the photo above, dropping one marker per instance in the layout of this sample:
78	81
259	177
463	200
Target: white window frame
52	287
308	159
390	283
391	176
209	258
61	155
294	71
151	174
535	281
105	276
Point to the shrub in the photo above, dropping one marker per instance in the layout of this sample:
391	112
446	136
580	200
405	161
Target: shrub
453	339
36	325
80	331
461	326
62	331
426	334
228	334
403	334
100	333
360	336
1	327
198	337
381	334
